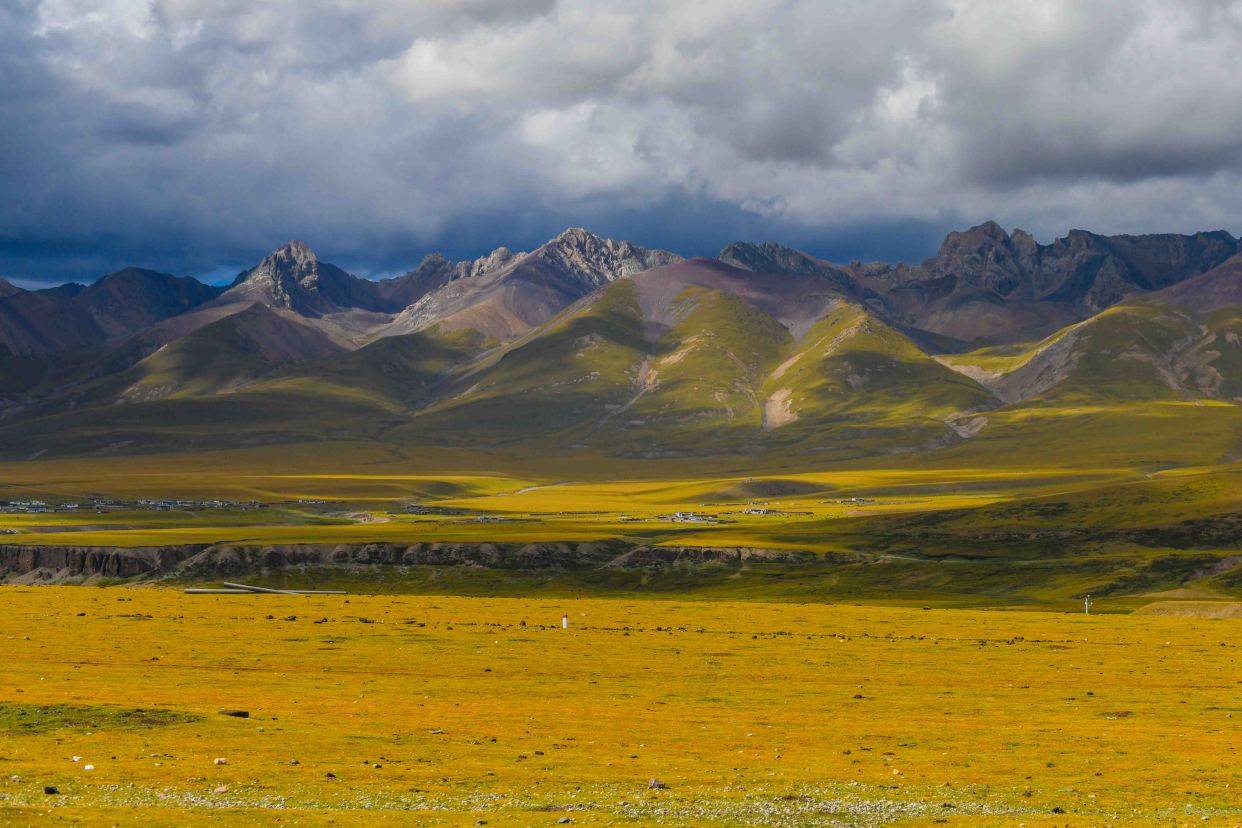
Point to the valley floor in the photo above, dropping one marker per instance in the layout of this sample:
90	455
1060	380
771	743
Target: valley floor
453	711
938	530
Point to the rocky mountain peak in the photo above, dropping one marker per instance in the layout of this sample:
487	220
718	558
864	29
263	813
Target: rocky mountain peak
293	259
296	253
432	261
1023	240
771	257
293	277
595	260
768	257
985	256
577	235
495	260
978	238
991	229
290	263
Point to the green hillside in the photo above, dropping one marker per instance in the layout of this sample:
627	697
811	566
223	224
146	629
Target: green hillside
700	385
1134	352
571	372
855	381
396	373
225	356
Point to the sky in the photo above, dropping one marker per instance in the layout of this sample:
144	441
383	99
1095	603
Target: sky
193	136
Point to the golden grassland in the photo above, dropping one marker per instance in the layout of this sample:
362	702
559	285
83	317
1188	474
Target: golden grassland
561	500
443	710
562	493
370	508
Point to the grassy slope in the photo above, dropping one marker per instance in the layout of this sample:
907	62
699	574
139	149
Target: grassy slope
701	388
854	382
223	356
571	372
395	373
597	376
1222	348
1136	352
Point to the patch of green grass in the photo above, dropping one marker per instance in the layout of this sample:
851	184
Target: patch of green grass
18	718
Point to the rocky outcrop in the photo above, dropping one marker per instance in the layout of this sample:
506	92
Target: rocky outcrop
594	261
234	558
987	285
61	564
507	294
770	257
293	278
645	557
435	271
24	563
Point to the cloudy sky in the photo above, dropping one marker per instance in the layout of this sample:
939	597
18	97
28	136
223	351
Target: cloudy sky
195	135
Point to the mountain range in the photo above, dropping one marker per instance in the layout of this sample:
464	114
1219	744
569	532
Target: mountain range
593	342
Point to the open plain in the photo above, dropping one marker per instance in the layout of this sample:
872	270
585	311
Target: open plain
460	711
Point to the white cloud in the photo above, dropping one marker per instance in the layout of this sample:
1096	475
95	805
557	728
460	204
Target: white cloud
192	123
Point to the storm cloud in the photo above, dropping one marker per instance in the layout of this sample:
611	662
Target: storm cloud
194	135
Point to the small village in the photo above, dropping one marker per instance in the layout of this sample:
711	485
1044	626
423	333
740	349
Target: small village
105	504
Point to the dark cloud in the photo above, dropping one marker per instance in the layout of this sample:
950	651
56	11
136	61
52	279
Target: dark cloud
194	135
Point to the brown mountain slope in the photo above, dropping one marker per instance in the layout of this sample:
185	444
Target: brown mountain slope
1180	343
528	289
986	286
1220	287
70	317
226	355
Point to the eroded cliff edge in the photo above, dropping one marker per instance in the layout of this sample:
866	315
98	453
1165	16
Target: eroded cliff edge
32	564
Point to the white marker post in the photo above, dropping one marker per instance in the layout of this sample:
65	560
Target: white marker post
565	621
1086	605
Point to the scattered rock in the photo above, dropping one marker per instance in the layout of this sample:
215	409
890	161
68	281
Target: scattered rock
51	790
222	789
657	785
222	761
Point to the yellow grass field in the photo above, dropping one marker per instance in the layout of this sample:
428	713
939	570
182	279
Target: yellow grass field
369	506
438	710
